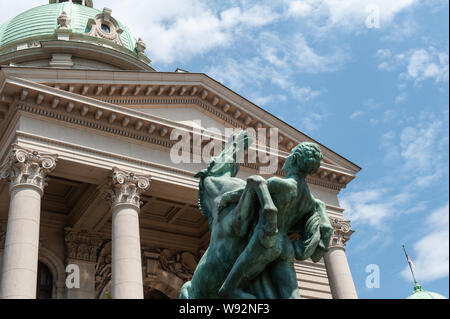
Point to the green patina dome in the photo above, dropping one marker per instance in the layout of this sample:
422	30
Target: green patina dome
40	23
420	293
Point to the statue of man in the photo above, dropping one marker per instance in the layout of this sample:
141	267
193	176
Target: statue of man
298	212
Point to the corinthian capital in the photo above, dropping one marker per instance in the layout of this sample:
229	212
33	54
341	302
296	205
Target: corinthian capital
26	167
341	233
126	188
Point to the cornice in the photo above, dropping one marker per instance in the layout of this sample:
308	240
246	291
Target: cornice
218	96
43	46
69	107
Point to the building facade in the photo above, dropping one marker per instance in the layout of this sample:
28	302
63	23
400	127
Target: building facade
87	177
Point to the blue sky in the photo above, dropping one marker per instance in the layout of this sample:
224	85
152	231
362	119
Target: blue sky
376	93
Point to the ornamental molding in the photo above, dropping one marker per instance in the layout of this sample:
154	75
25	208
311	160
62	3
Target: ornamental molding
128	123
126	188
83	246
105	27
330	181
198	91
341	233
27	167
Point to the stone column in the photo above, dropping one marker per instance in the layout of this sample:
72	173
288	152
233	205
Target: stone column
81	250
124	196
26	171
339	275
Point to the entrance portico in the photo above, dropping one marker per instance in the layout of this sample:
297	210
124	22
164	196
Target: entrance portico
110	131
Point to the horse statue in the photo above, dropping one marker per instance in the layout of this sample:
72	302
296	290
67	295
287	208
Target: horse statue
252	222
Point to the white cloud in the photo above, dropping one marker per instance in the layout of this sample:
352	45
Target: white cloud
431	252
304	94
311	121
418	64
418	146
428	64
418	155
373	207
276	61
178	30
357	114
348	14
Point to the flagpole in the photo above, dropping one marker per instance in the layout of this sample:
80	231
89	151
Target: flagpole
410	267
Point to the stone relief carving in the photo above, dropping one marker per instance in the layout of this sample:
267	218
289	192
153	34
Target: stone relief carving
82	245
64	21
181	264
141	46
2	234
106	27
103	269
24	166
126	188
341	232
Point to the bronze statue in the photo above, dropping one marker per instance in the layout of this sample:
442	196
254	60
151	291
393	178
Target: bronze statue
251	254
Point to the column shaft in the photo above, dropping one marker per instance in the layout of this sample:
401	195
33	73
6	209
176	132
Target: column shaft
339	275
124	194
26	171
20	260
126	254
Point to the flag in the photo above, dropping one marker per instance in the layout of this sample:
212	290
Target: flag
410	261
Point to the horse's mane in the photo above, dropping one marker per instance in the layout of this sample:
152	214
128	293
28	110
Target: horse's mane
224	164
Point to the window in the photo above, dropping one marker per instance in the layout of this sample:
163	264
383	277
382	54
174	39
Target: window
44	282
105	28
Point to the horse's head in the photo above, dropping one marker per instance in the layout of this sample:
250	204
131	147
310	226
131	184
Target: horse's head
226	164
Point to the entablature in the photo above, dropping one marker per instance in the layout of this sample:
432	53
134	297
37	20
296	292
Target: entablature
99	107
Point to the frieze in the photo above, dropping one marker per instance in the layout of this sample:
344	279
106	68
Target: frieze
82	246
180	264
327	180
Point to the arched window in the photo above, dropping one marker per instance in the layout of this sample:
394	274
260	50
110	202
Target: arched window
44	282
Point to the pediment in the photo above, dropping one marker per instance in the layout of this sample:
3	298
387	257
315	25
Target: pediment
141	108
189	115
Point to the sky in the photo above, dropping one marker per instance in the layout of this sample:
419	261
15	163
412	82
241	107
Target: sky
368	79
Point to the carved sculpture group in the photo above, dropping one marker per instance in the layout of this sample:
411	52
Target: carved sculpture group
251	254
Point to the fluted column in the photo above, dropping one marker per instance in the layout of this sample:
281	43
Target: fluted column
339	275
125	199
26	172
